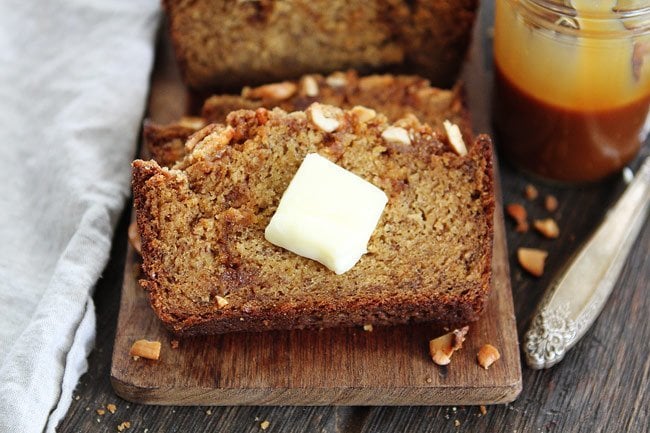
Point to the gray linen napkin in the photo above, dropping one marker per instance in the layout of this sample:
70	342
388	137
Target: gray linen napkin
73	84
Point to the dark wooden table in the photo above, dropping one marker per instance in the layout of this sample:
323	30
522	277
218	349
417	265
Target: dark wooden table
603	384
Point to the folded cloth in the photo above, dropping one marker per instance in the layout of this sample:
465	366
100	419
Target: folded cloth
73	85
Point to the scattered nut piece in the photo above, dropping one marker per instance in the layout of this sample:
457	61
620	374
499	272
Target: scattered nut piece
275	91
221	301
367	328
518	213
111	407
337	79
134	237
550	203
457	423
363	114
548	227
101	412
443	347
264	425
628	175
530	192
208	412
125	425
459	338
532	260
429	380
487	355
146	349
310	86
319	118
483	410
174	344
395	134
455	137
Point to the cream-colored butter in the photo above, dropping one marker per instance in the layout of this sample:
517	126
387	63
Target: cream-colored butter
326	214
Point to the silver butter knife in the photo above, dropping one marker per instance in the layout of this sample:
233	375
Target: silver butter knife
576	297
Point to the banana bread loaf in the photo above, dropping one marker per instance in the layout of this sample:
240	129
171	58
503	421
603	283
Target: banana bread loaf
208	268
226	43
395	96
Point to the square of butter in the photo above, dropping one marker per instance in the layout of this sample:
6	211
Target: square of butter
326	214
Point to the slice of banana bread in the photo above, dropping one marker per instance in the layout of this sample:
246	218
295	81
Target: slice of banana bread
208	268
226	43
396	96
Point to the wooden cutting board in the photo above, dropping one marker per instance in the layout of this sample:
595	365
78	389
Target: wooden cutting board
388	366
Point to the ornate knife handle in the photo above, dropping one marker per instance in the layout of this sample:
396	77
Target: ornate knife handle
577	296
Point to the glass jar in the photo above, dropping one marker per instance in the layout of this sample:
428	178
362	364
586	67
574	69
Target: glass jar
572	85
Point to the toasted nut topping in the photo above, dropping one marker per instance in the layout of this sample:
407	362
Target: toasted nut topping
487	355
324	121
395	134
550	203
125	425
275	91
443	347
111	407
337	79
145	349
192	122
363	114
367	328
221	302
101	412
134	237
548	227
530	192
455	137
532	260
310	86
518	213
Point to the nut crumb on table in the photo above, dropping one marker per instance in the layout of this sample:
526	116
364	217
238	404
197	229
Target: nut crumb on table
264	425
532	260
547	227
111	407
125	425
530	192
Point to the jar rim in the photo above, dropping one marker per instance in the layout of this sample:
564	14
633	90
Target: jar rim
564	7
561	17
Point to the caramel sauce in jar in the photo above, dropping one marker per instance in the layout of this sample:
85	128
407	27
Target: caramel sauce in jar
572	86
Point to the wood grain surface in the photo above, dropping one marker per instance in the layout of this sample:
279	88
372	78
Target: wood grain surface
603	384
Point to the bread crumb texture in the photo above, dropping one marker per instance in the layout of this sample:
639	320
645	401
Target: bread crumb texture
202	227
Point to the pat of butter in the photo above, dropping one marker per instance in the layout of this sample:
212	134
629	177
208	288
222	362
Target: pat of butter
326	214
